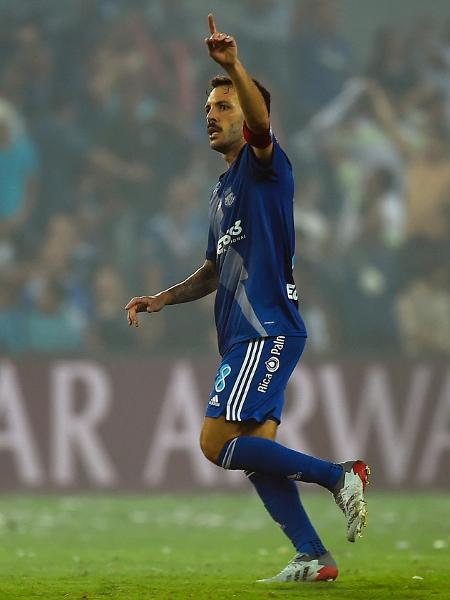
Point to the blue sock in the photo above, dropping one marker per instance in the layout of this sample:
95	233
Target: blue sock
282	501
265	456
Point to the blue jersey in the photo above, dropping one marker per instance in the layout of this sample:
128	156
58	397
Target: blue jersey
252	240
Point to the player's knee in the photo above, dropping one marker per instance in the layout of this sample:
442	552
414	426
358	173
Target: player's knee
210	447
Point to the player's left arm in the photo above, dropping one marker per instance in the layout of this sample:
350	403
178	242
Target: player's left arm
223	49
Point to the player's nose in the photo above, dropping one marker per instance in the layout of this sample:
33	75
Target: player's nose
213	114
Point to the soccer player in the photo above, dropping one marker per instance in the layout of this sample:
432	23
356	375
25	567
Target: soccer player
260	332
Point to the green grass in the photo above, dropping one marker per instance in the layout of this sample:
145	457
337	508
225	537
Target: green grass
213	546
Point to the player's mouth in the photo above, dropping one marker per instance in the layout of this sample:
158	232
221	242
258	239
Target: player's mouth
213	132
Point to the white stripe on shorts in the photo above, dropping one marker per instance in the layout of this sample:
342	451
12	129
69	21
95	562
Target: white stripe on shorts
238	379
244	396
243	381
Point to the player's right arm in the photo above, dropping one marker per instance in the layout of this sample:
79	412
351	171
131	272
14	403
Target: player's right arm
201	283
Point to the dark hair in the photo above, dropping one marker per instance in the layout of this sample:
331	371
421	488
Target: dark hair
223	80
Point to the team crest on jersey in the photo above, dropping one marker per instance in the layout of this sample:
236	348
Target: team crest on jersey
229	197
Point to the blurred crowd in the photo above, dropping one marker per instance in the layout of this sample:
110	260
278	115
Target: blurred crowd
105	173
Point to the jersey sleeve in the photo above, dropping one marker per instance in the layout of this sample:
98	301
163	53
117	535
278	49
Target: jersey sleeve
210	253
273	171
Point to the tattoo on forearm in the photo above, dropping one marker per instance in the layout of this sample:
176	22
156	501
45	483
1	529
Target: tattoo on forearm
199	284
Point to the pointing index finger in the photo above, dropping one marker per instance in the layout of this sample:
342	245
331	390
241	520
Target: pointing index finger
212	25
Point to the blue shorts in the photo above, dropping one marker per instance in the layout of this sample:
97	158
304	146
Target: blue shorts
252	378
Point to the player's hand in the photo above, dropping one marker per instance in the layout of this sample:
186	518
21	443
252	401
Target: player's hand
147	304
221	47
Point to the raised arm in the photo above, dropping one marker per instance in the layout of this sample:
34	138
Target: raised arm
223	49
201	283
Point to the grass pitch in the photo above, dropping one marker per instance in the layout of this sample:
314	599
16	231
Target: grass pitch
214	547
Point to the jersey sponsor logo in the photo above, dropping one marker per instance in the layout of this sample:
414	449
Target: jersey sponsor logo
223	373
292	291
272	363
278	345
214	401
262	387
233	234
229	197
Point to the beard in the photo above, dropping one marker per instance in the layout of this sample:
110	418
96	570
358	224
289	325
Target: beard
229	140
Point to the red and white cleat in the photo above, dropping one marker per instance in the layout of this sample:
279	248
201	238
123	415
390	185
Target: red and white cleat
306	568
349	496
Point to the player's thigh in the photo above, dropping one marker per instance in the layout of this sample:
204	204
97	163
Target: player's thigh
215	433
267	429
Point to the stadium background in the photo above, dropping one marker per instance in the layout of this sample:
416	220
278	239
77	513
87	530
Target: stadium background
105	174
